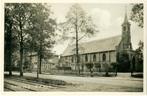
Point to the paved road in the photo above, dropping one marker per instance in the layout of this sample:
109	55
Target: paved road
120	83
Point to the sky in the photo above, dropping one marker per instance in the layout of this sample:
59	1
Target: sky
107	17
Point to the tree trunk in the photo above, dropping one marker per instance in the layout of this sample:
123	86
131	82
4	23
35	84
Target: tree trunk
116	69
21	51
40	61
10	49
107	73
31	65
21	59
38	69
131	64
77	53
40	57
77	49
91	72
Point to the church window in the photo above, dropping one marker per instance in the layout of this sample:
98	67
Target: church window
104	57
124	28
72	59
94	57
86	58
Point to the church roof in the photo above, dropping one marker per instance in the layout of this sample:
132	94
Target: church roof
106	44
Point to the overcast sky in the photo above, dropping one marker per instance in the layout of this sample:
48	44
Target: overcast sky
107	17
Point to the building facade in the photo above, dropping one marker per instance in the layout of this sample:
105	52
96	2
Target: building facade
101	53
47	64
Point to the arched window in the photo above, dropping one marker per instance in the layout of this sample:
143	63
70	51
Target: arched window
94	57
104	57
124	28
72	59
86	58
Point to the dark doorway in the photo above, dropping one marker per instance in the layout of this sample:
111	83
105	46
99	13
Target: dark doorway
133	64
124	62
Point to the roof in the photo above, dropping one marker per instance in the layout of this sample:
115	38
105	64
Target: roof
106	44
54	59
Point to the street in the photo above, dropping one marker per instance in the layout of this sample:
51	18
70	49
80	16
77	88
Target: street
122	83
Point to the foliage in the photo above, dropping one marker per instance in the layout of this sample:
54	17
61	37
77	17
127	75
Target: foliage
41	31
114	65
97	65
137	14
33	28
41	28
139	57
140	48
77	19
90	67
10	45
77	26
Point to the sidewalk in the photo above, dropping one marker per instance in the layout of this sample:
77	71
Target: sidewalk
123	82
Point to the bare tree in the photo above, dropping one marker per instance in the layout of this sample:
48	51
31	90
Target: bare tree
78	25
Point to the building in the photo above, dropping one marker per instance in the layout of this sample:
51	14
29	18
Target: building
103	54
47	64
50	64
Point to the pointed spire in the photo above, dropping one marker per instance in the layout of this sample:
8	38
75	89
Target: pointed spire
126	18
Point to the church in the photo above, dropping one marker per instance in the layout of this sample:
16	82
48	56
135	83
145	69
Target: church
103	54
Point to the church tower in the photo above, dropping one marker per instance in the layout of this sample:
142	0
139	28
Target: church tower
126	37
124	49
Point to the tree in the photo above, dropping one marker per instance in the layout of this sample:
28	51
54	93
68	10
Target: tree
139	56
44	25
77	23
33	27
11	45
140	48
8	39
137	14
21	17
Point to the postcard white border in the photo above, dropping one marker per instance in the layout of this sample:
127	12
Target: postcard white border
70	93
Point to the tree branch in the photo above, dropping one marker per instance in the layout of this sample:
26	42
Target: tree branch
83	36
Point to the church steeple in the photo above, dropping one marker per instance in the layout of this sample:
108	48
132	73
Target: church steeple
126	38
126	17
126	24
